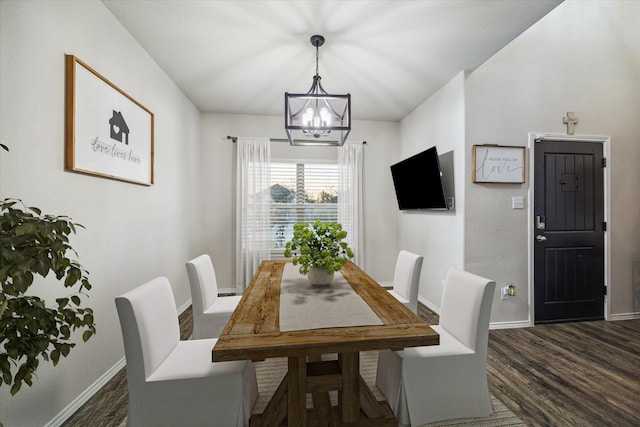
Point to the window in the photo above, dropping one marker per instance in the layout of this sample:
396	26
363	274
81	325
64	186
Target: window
280	185
301	192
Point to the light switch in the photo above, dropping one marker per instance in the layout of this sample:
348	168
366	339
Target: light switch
517	202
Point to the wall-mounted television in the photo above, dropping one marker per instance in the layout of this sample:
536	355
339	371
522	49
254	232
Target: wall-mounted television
418	182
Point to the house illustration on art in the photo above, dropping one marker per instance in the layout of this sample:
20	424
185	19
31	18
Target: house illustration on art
119	127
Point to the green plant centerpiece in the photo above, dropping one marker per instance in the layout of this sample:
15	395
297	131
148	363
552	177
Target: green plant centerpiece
35	244
319	249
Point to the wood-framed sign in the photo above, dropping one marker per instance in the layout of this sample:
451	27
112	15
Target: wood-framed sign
498	164
107	132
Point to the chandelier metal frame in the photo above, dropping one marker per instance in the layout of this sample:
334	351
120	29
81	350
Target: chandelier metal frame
317	114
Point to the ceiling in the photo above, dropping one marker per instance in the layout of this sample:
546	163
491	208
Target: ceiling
242	56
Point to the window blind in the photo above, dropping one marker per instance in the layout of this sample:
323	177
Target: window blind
301	192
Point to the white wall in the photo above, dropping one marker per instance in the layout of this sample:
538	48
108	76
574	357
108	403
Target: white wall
218	191
133	232
436	235
584	57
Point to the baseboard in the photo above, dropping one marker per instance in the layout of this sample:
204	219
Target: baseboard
386	285
429	305
624	316
510	325
493	325
526	323
229	291
77	403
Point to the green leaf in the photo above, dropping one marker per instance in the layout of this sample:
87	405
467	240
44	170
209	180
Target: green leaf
66	348
88	319
3	303
16	387
6	373
55	357
32	243
22	282
65	331
73	275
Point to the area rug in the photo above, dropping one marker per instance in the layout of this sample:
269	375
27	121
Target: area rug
271	371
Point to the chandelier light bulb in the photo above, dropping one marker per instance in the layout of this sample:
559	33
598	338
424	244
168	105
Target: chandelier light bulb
325	116
307	117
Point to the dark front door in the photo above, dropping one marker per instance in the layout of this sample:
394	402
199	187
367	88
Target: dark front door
569	232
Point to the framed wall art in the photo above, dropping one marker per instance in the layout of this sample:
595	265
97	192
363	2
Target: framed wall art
498	164
107	132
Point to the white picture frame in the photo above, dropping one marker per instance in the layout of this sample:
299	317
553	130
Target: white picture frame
498	164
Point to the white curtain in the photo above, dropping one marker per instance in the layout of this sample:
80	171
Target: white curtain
252	210
350	197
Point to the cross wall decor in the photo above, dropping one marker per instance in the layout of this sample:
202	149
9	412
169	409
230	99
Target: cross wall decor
570	120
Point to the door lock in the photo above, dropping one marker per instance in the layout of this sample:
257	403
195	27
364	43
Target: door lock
541	238
540	222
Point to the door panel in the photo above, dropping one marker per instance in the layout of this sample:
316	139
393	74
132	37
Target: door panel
569	234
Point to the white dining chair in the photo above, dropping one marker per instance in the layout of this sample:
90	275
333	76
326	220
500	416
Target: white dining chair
447	381
173	382
406	279
210	311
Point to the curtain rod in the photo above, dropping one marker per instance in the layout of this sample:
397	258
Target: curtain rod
234	139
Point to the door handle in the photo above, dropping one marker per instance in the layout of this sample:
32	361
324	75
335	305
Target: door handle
541	238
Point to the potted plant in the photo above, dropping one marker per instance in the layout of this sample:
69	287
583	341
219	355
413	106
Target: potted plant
319	249
35	244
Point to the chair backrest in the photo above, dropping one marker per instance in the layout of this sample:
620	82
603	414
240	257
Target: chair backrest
203	283
466	308
406	278
150	327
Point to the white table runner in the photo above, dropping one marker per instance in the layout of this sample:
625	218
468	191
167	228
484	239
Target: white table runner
303	306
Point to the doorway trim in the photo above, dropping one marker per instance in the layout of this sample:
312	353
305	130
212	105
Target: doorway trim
606	145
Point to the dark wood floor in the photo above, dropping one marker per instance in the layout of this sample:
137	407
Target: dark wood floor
570	374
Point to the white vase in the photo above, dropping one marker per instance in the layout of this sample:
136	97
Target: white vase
319	276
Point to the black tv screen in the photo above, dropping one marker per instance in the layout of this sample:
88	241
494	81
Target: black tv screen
418	182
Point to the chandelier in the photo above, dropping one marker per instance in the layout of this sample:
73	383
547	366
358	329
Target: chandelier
312	117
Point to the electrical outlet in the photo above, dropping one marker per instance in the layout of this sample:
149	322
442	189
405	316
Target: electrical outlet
504	292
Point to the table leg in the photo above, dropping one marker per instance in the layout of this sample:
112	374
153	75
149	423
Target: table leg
297	391
349	396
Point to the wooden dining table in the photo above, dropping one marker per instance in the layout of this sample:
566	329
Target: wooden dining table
254	333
